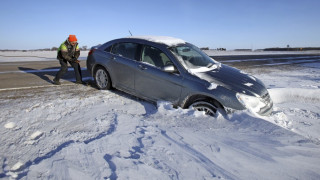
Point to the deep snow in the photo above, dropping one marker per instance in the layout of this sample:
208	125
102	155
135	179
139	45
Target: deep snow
78	132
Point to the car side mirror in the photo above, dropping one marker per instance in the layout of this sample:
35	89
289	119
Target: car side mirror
170	69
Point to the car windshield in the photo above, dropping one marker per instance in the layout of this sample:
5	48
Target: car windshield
192	58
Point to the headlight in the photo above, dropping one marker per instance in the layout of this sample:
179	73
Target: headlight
251	102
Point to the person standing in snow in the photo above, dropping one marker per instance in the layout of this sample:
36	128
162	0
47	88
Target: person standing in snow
69	52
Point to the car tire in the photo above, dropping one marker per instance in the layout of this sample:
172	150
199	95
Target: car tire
208	107
102	78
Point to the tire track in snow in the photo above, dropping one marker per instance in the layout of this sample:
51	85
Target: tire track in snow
113	127
134	153
144	143
137	149
210	166
4	165
112	167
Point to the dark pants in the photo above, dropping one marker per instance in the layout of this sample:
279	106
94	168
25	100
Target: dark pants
64	69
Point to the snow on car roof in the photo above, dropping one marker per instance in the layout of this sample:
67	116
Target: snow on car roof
170	41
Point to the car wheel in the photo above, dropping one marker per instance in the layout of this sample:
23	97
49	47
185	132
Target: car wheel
102	78
207	107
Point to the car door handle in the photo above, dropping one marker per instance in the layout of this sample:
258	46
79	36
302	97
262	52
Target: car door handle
142	67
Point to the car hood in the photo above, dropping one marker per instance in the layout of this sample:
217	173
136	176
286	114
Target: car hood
233	79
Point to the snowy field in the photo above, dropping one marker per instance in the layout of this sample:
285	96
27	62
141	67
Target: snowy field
78	132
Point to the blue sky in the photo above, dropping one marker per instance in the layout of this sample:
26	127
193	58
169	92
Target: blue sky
231	24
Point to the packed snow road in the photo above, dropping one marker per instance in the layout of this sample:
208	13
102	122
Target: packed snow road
78	132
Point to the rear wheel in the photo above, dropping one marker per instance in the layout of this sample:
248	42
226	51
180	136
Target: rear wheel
102	78
207	107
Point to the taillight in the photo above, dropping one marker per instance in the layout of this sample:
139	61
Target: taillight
91	51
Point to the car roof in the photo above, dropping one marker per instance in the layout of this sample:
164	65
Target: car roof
169	41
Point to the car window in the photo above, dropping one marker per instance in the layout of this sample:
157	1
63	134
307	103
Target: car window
154	56
108	49
127	50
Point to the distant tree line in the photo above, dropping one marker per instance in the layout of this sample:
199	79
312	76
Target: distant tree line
247	50
204	48
218	49
83	48
292	49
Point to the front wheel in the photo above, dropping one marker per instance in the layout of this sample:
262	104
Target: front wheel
102	78
207	107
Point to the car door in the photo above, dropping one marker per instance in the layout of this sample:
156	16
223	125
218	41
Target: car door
151	81
124	65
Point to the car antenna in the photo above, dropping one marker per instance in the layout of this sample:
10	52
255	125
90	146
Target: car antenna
130	32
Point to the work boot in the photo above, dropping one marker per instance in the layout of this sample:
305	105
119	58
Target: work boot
56	82
79	82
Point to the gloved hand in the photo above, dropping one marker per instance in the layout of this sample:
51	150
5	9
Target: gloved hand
75	60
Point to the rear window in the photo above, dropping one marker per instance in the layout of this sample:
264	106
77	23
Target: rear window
127	50
108	49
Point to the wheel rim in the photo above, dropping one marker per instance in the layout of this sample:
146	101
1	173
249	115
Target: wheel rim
101	78
205	107
206	110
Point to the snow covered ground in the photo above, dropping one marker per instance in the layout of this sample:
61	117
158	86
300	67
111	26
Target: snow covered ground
78	132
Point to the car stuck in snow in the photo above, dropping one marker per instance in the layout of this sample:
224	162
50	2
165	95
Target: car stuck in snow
158	68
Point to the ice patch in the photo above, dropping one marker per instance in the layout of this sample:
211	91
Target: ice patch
12	174
33	107
36	135
17	166
10	125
